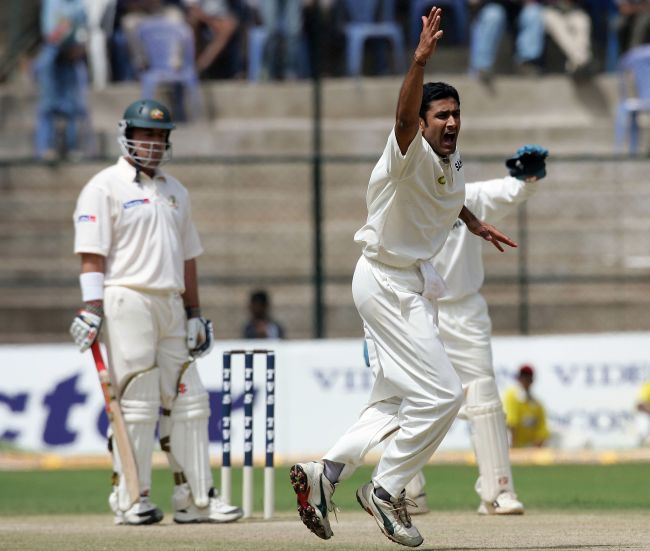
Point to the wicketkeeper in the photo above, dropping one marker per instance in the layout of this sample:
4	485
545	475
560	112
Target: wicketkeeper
138	248
465	328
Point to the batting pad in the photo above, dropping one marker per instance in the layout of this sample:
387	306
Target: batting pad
489	437
189	435
140	402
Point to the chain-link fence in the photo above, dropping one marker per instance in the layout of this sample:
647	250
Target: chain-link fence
583	263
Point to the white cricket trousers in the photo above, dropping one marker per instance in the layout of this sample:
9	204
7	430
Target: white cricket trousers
143	330
416	393
466	329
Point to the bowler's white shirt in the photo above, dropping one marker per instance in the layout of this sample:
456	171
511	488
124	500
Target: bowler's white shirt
144	229
412	201
460	261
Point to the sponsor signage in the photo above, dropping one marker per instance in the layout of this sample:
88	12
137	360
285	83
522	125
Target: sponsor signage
50	398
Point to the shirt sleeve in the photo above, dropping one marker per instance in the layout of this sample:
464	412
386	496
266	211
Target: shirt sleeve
92	222
492	200
48	17
510	405
400	165
542	433
191	242
644	394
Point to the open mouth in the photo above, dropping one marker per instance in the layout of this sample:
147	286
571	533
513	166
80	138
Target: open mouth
449	139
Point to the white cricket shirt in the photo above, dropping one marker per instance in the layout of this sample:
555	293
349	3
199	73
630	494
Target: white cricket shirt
412	200
460	261
144	230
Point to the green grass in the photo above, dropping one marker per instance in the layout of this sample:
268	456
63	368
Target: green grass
561	487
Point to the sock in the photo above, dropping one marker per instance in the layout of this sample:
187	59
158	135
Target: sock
332	470
382	494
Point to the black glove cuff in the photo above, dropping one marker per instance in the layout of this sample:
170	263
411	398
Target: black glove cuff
192	312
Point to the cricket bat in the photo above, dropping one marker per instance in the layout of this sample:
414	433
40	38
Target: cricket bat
127	460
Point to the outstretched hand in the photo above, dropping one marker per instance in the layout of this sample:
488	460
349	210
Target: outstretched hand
429	36
490	233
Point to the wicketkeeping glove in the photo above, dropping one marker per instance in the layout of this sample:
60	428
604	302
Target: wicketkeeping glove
200	336
528	162
86	325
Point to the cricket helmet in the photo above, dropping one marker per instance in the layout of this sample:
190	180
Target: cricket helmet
145	113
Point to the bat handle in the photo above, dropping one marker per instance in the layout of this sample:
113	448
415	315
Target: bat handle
97	355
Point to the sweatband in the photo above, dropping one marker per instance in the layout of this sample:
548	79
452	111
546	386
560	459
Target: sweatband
92	286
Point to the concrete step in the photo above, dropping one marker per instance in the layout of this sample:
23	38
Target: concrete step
276	118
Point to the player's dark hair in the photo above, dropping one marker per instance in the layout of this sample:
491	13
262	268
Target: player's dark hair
436	90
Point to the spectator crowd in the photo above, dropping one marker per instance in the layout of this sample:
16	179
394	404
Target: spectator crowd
182	41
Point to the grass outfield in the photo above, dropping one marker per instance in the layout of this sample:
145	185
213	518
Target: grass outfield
449	487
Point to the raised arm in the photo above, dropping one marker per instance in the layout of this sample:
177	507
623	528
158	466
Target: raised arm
407	118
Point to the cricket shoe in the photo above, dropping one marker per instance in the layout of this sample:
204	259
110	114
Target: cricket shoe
417	505
506	503
217	510
314	496
142	513
392	516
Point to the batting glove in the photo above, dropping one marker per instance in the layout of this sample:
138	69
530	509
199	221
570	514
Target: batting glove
86	325
200	336
529	162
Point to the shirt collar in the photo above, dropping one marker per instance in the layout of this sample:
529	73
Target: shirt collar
128	171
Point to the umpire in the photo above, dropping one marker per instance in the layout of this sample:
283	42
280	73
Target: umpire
138	248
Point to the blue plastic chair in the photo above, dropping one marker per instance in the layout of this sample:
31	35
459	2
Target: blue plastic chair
634	90
459	8
169	49
371	19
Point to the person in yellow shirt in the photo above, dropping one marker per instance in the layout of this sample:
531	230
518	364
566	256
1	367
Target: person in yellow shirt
643	414
525	415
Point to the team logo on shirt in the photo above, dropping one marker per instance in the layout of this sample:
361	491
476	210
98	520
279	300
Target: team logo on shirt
87	218
441	180
135	203
458	164
173	203
157	114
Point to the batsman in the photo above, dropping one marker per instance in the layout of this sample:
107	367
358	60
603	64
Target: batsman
138	247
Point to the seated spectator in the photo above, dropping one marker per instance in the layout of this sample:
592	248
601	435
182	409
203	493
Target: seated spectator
261	325
524	18
635	20
525	415
284	21
62	77
214	24
569	25
138	11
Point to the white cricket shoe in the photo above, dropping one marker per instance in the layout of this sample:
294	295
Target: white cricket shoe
417	505
217	510
392	516
141	513
506	503
314	496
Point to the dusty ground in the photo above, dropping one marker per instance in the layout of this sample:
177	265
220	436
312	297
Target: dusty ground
355	531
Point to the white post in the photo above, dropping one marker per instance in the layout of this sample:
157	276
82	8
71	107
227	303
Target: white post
247	492
226	484
269	492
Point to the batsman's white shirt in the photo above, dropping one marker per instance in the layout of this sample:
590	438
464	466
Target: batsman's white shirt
144	229
463	318
413	200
